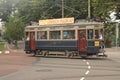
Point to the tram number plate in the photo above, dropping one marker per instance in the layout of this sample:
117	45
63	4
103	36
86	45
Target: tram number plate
97	43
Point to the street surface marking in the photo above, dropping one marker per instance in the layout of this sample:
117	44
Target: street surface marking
82	78
84	60
87	63
89	67
87	72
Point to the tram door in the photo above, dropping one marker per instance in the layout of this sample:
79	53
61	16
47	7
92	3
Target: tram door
82	42
32	41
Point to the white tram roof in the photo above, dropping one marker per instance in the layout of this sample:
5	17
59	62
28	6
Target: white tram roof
71	24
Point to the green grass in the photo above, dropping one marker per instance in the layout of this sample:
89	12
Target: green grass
2	46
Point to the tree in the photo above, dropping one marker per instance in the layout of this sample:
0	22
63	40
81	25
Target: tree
31	10
6	8
14	29
72	8
102	9
77	8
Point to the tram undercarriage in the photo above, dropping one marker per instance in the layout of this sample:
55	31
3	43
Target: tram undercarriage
67	54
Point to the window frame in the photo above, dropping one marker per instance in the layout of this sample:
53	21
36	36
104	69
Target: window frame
88	33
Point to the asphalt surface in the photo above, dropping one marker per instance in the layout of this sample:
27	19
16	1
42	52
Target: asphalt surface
70	69
14	60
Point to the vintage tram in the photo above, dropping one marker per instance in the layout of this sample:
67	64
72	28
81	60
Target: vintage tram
82	38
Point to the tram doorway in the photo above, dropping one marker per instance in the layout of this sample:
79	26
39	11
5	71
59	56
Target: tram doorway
32	41
82	42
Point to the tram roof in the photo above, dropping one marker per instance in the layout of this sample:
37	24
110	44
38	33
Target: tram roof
71	24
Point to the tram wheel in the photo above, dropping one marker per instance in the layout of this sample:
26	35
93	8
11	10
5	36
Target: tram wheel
83	55
34	53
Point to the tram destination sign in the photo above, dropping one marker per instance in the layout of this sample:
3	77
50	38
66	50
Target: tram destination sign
56	21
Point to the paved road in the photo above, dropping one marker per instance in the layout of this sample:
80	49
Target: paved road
71	69
104	70
12	60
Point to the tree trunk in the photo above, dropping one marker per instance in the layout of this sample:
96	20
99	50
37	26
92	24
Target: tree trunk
16	44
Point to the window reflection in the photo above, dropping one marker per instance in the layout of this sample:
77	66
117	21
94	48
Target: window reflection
54	34
69	34
42	35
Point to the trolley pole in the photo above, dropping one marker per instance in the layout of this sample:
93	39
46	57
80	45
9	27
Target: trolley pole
117	33
62	8
89	12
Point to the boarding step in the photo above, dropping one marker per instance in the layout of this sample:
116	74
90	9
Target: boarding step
56	53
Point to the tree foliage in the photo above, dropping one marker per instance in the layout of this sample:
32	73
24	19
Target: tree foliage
102	8
30	10
72	8
14	28
6	8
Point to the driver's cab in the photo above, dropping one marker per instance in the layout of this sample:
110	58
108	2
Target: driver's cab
95	40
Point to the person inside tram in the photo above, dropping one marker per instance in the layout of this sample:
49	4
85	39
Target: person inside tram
100	35
90	34
43	36
101	38
96	34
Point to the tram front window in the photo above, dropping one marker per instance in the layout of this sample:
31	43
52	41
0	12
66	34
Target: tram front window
96	34
69	34
90	34
54	34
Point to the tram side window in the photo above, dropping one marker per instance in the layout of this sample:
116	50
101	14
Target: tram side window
27	35
41	35
69	34
96	34
90	34
54	34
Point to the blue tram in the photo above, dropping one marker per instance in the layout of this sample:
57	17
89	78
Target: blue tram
83	38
